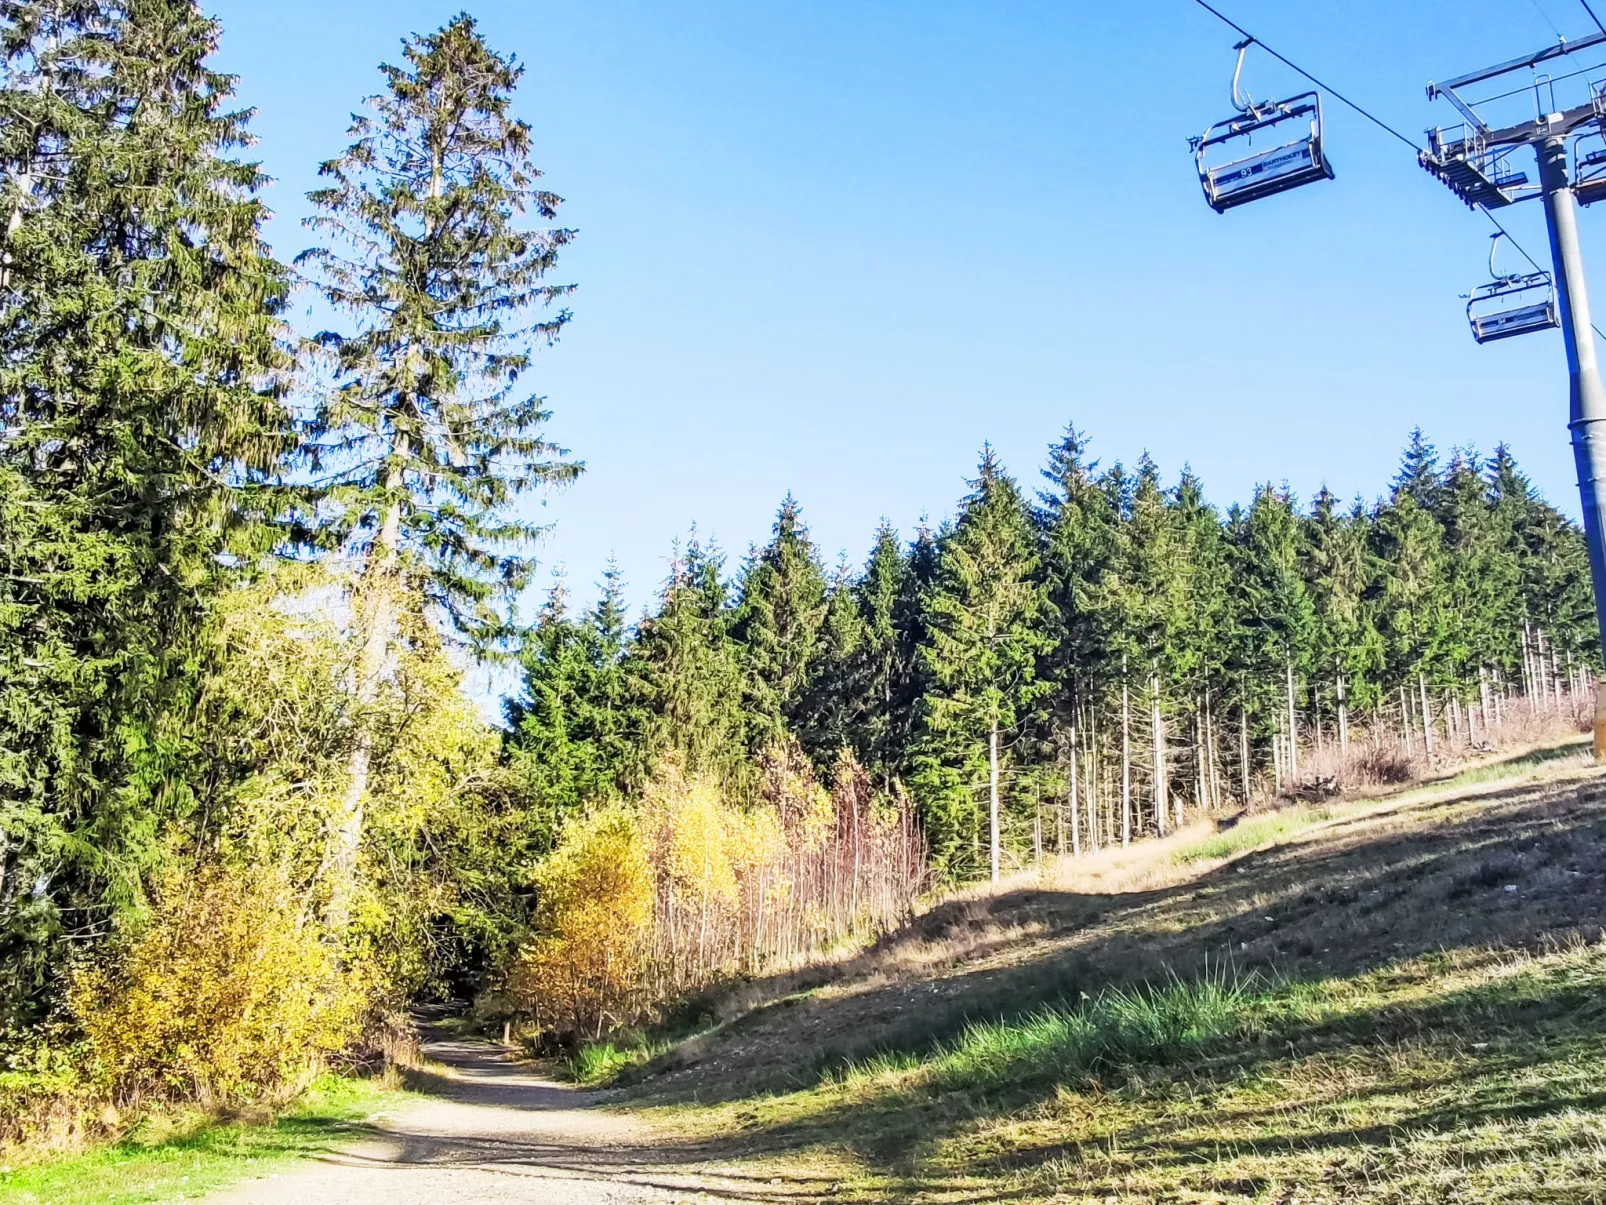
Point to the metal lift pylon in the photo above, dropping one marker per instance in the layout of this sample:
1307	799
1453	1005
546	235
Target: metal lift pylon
1470	166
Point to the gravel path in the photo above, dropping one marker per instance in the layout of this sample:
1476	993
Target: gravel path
497	1134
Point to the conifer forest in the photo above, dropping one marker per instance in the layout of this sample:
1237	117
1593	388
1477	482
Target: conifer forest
250	811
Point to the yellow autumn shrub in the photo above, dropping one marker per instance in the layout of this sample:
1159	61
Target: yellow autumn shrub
225	993
583	969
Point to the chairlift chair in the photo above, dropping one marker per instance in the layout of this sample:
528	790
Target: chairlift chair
1589	167
1244	178
1589	153
1518	303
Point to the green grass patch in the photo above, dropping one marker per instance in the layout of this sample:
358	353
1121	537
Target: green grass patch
601	1063
1251	834
1114	1030
1513	767
178	1158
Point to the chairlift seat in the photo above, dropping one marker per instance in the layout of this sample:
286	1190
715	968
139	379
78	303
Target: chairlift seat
1513	305
1264	173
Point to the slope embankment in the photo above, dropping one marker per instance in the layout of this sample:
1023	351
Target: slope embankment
1397	999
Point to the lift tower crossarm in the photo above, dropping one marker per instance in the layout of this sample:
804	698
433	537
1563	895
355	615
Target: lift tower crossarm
1560	50
1552	125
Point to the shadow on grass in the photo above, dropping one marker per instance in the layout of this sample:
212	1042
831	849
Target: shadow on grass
1363	896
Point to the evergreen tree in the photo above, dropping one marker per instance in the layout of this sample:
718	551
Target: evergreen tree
886	661
833	712
984	630
425	432
1079	538
684	675
568	726
138	420
778	622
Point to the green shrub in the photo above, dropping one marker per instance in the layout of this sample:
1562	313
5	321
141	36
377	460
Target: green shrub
599	1063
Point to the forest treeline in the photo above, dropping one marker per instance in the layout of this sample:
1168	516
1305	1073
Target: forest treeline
248	813
1107	638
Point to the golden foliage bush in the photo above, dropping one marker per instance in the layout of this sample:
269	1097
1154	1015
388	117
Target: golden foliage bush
225	993
584	969
695	887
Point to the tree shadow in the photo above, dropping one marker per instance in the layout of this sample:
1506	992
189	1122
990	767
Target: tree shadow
1515	867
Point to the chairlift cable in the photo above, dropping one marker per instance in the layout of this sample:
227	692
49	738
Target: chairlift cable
1334	92
1381	124
1546	18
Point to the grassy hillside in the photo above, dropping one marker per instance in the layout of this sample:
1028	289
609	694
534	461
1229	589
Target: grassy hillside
1400	999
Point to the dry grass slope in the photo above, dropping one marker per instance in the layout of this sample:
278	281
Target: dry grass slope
1388	1000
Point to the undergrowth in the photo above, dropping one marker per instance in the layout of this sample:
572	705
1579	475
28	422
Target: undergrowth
187	1153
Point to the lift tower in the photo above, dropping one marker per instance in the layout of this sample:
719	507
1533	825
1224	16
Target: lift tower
1475	165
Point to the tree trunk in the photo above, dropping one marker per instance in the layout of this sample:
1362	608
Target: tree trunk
1427	717
1406	723
378	589
1094	777
1075	802
1126	767
1343	716
1243	748
1293	728
1161	796
1277	756
992	798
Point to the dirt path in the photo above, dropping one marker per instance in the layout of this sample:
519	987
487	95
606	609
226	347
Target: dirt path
498	1134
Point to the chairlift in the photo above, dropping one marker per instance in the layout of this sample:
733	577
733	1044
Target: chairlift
1517	303
1589	166
1236	181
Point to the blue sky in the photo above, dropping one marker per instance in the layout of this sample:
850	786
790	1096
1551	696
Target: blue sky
832	247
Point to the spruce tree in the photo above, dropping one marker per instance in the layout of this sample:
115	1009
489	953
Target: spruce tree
139	421
568	724
779	615
833	712
684	675
985	633
426	430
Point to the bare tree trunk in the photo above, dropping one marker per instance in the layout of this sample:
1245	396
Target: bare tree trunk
377	593
1243	748
1161	797
1277	756
1293	727
1126	765
1343	715
1094	777
1076	827
992	798
1406	723
1427	717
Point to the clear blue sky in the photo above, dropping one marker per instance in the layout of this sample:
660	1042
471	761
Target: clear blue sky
832	247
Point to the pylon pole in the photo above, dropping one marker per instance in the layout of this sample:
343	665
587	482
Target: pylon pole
1587	396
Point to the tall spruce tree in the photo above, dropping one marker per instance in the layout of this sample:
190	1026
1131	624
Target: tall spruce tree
985	632
426	431
685	675
568	724
139	417
779	617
